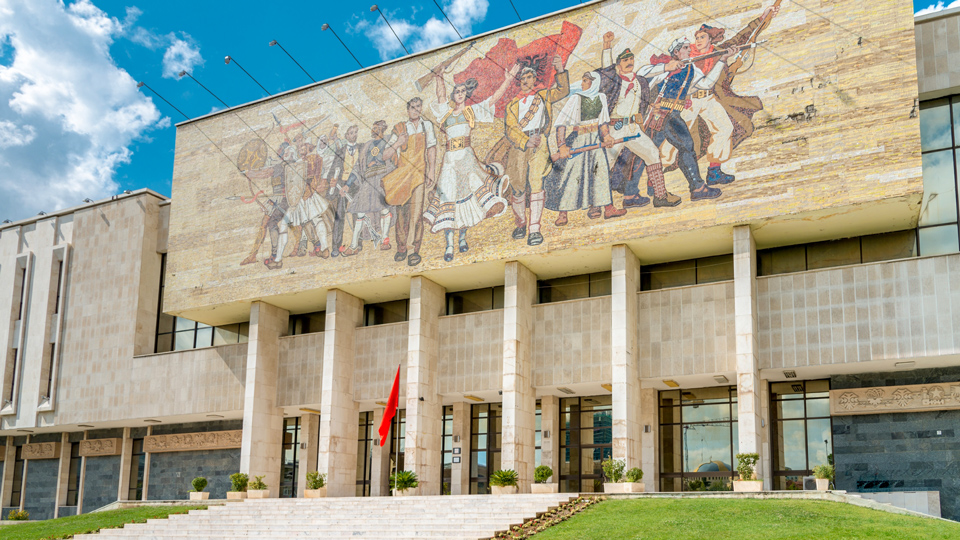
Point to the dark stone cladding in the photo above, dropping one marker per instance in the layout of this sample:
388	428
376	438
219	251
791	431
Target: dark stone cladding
67	511
914	451
197	427
45	437
172	472
101	482
40	492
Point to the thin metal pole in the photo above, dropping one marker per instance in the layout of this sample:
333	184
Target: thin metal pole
328	27
182	73
230	59
277	43
141	83
447	18
377	9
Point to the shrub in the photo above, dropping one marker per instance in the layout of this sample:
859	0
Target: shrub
199	483
18	515
745	463
238	481
504	478
634	475
613	469
824	472
315	480
404	480
258	483
541	474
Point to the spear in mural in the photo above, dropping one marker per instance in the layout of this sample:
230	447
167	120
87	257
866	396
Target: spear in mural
422	82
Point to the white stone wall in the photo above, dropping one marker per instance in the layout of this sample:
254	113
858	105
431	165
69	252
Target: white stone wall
471	352
881	311
379	349
571	342
301	370
687	330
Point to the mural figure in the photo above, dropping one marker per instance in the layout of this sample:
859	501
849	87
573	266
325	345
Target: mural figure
627	98
523	152
346	152
717	117
581	173
465	193
276	204
366	198
415	142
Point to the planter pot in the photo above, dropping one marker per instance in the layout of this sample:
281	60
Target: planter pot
748	486
823	484
236	495
544	488
623	487
258	493
315	493
199	495
403	493
504	490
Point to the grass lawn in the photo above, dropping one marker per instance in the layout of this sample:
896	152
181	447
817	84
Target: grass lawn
88	523
746	519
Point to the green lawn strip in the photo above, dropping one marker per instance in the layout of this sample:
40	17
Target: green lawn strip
66	527
744	519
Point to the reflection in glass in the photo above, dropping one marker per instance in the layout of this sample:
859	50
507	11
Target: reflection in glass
939	240
939	189
792	446
818	442
935	125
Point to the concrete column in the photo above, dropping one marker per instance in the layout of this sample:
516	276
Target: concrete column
262	441
422	454
379	460
6	486
550	435
460	472
519	396
339	431
307	457
126	456
63	474
748	365
650	440
625	281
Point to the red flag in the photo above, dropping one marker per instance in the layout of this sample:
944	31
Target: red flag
488	71
391	410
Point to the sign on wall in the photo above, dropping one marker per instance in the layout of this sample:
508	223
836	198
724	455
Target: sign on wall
610	122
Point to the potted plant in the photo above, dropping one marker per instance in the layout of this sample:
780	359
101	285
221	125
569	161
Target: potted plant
258	489
616	481
748	482
316	485
540	477
504	482
824	475
403	481
238	486
634	483
197	493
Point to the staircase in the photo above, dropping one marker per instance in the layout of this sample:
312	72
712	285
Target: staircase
458	517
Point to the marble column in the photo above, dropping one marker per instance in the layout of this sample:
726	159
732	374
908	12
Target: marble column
748	364
460	472
339	429
519	396
10	455
262	442
379	460
126	456
550	435
63	474
422	454
625	281
307	457
146	470
650	440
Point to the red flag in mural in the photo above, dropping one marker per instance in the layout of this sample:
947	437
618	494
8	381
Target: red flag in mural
391	410
488	71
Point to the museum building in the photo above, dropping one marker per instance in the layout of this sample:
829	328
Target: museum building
810	313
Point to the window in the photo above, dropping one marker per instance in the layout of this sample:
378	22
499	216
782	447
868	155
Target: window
538	437
586	439
179	334
307	323
365	442
385	312
398	440
573	287
485	433
135	492
17	490
73	480
475	300
446	448
689	272
940	150
289	458
698	439
801	430
832	253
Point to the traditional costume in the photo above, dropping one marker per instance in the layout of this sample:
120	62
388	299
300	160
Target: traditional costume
404	186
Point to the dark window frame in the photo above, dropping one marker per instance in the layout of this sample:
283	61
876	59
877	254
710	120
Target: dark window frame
365	441
954	149
685	476
568	447
492	450
776	427
288	488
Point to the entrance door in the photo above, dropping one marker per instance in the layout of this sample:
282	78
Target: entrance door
698	439
290	457
586	439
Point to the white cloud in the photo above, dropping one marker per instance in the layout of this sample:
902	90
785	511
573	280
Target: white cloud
933	8
180	56
464	14
68	113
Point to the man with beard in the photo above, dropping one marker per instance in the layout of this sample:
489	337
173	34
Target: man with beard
367	198
346	152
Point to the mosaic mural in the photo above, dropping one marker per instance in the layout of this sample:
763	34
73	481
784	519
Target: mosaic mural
609	122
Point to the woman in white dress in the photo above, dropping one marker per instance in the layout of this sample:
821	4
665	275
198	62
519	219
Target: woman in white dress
465	193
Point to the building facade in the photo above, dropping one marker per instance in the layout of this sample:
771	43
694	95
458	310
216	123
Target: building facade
788	283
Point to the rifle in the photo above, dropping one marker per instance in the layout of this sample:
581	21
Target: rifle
425	80
594	146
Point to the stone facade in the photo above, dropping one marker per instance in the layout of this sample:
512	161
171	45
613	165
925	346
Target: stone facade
171	473
101	477
938	48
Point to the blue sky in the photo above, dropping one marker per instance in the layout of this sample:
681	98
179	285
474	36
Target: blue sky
73	125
